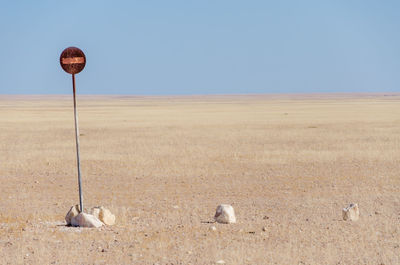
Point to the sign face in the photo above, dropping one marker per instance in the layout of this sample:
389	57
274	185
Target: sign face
72	60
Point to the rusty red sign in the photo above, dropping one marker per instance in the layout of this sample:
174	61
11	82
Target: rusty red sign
72	60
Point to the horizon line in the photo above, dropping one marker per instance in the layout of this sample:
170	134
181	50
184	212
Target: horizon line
217	94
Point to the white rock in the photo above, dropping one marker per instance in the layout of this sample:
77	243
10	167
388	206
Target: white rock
74	211
213	228
103	215
225	214
86	220
351	212
220	261
106	216
95	211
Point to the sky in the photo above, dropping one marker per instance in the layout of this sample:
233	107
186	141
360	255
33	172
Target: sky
192	47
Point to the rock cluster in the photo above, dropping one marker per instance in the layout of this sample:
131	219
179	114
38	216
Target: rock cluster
98	217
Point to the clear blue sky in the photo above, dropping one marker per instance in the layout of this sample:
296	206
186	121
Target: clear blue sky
202	47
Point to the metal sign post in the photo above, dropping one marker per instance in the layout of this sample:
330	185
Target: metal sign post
73	61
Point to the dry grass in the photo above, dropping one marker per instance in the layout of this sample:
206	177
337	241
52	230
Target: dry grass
287	163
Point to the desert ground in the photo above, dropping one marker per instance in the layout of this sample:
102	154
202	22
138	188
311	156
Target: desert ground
288	164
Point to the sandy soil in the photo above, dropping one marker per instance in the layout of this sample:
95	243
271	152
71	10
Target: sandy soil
287	163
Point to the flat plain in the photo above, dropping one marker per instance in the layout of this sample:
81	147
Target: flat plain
288	164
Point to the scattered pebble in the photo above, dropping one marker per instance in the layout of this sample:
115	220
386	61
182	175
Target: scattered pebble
351	212
213	228
225	214
8	244
264	228
220	261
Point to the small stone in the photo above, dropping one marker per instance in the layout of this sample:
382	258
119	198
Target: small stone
264	228
74	211
175	207
225	214
213	228
351	212
104	215
86	220
8	244
220	261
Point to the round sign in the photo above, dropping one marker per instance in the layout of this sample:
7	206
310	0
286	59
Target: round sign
72	60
